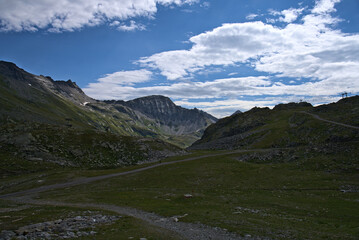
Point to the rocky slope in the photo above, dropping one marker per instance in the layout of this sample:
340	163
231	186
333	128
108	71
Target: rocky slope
173	119
286	125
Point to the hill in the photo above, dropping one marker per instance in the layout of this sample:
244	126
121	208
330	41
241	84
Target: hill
286	125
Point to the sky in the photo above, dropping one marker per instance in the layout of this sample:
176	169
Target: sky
216	55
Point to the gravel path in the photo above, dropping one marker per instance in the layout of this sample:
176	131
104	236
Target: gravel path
329	121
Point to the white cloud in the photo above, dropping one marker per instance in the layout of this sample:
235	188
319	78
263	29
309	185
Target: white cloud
287	15
206	4
126	78
290	15
132	27
251	16
257	42
325	6
225	45
65	15
311	49
114	88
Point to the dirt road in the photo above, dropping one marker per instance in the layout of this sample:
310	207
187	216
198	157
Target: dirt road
86	180
192	231
329	121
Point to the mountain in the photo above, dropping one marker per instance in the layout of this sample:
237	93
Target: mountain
38	98
286	125
46	122
171	118
237	112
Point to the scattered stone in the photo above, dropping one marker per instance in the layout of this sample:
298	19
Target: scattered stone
7	234
188	195
239	210
60	228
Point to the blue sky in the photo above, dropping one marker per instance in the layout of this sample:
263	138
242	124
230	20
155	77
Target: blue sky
219	55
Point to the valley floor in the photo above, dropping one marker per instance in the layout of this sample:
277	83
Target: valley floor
252	194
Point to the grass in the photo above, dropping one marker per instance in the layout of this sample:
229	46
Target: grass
279	197
37	174
281	200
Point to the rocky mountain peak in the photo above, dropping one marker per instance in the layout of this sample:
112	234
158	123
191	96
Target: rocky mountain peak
10	70
69	84
179	120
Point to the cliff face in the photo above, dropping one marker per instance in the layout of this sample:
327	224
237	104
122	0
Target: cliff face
174	119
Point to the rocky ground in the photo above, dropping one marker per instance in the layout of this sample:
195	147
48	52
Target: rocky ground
79	226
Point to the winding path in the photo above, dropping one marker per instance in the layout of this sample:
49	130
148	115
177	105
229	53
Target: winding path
329	121
86	180
191	231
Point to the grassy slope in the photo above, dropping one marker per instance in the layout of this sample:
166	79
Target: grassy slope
62	132
277	128
345	111
279	200
72	147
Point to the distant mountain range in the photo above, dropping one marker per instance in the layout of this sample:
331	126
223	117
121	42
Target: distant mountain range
25	96
45	122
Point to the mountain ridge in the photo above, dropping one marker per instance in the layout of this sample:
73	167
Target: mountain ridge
151	116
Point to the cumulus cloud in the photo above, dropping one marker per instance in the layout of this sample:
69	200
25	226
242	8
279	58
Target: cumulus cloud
311	49
259	42
225	45
290	15
321	59
325	6
64	15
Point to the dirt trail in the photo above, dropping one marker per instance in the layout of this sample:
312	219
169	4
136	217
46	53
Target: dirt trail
329	121
85	180
191	231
